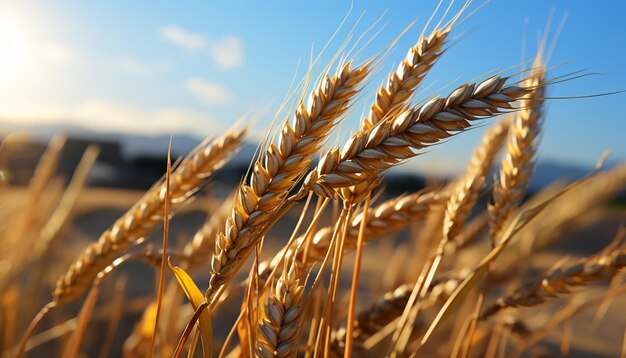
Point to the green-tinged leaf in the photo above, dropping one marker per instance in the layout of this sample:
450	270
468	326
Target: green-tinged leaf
196	298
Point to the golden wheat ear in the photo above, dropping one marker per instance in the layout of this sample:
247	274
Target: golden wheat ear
283	310
145	215
467	191
385	218
521	147
402	83
367	154
280	166
562	281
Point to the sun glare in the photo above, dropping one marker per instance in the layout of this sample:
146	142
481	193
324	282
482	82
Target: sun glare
13	50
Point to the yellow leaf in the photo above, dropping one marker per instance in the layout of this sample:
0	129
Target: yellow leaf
196	298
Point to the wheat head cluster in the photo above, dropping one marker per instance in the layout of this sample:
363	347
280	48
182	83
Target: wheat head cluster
457	268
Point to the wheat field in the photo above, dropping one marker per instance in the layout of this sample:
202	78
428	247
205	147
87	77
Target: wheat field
311	254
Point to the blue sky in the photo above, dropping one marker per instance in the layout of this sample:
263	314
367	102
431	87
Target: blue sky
195	67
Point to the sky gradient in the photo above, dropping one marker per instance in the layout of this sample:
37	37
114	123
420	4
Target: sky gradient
164	68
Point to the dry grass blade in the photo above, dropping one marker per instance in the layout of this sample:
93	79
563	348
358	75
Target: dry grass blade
369	153
283	309
166	230
145	215
275	173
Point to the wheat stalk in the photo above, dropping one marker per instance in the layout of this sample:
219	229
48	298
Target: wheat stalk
283	309
467	191
367	154
281	165
518	163
561	281
145	215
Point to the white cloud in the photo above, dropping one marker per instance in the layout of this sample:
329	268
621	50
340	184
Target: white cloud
208	92
182	38
106	115
227	52
135	67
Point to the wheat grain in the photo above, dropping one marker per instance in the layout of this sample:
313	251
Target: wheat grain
390	307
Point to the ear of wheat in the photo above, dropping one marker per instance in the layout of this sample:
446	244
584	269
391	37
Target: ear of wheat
466	192
368	153
402	83
518	164
283	309
386	218
276	172
145	215
562	281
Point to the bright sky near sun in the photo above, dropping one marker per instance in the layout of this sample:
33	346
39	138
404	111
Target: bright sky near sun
182	67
